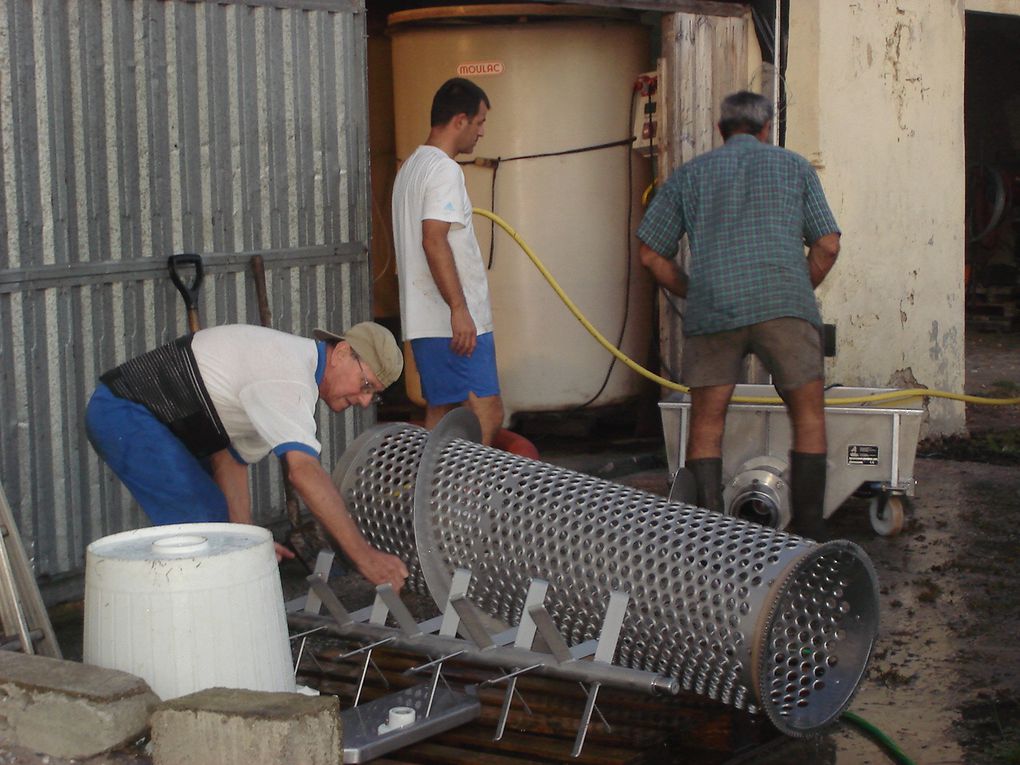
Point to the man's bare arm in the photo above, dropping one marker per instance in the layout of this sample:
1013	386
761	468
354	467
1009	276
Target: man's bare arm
316	488
821	257
232	478
444	273
665	271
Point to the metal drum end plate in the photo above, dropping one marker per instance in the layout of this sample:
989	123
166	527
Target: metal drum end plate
819	634
460	423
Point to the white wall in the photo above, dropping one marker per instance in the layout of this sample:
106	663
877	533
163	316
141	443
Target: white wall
876	103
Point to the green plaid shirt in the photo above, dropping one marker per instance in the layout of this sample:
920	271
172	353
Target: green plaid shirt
748	209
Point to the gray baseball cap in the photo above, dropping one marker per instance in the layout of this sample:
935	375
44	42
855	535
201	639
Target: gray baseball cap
375	345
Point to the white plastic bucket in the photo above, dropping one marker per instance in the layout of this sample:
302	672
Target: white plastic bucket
188	607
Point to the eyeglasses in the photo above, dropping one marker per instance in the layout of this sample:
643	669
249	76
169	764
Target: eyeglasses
366	386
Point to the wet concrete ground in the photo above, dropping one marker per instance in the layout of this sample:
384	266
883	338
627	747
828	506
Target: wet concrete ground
947	654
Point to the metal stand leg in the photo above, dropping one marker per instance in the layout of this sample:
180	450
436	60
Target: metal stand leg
361	677
589	707
432	689
504	711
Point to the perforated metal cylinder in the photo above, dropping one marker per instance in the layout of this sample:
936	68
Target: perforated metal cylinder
376	476
755	618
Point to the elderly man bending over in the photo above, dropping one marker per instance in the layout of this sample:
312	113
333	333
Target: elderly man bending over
180	425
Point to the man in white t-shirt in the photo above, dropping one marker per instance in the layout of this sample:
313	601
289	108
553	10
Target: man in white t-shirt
444	292
180	425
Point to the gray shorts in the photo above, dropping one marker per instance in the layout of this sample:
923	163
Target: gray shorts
790	349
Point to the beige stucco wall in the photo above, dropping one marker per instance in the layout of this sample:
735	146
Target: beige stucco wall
876	103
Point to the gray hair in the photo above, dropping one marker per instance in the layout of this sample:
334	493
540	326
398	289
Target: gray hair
744	112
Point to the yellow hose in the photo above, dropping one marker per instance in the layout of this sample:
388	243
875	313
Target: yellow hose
895	395
645	197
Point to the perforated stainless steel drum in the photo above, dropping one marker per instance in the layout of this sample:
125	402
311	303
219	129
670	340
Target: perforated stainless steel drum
740	613
375	476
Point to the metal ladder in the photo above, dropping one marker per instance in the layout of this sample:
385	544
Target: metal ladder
26	625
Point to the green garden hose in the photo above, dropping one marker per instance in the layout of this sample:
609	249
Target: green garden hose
876	733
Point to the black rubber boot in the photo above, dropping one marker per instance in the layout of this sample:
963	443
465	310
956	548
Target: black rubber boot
807	495
708	475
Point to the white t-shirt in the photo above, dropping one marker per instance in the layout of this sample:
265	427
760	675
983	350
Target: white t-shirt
430	186
262	383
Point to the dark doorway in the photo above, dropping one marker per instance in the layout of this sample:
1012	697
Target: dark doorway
992	125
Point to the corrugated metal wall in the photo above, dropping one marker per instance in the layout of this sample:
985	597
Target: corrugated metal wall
135	129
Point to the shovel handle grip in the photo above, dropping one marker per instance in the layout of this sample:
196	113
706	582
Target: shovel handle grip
188	291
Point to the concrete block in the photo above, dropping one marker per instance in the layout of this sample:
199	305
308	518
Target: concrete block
67	709
229	726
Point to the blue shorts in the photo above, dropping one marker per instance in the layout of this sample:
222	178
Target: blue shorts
170	483
447	378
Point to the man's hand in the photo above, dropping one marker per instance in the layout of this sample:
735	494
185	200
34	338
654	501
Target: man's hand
282	553
465	334
444	272
381	568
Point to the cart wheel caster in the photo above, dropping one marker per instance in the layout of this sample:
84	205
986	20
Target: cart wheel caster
887	514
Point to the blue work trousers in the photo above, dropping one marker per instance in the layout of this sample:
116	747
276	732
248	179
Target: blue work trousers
170	483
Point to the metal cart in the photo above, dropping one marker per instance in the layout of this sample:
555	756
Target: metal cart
871	452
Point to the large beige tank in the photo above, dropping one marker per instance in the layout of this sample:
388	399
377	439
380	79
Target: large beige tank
560	79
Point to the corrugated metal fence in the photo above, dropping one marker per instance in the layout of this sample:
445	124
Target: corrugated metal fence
135	129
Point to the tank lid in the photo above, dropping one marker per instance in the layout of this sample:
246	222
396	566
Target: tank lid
510	12
185	540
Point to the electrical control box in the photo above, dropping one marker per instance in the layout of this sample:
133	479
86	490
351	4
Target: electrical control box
646	114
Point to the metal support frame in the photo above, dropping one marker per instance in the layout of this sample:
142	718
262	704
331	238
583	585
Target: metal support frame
438	637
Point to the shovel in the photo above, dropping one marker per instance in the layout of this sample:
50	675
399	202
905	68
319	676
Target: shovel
188	291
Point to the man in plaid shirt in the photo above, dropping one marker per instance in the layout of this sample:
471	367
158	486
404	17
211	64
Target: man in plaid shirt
748	209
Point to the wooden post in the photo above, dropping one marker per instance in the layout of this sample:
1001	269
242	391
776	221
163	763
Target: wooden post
704	59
